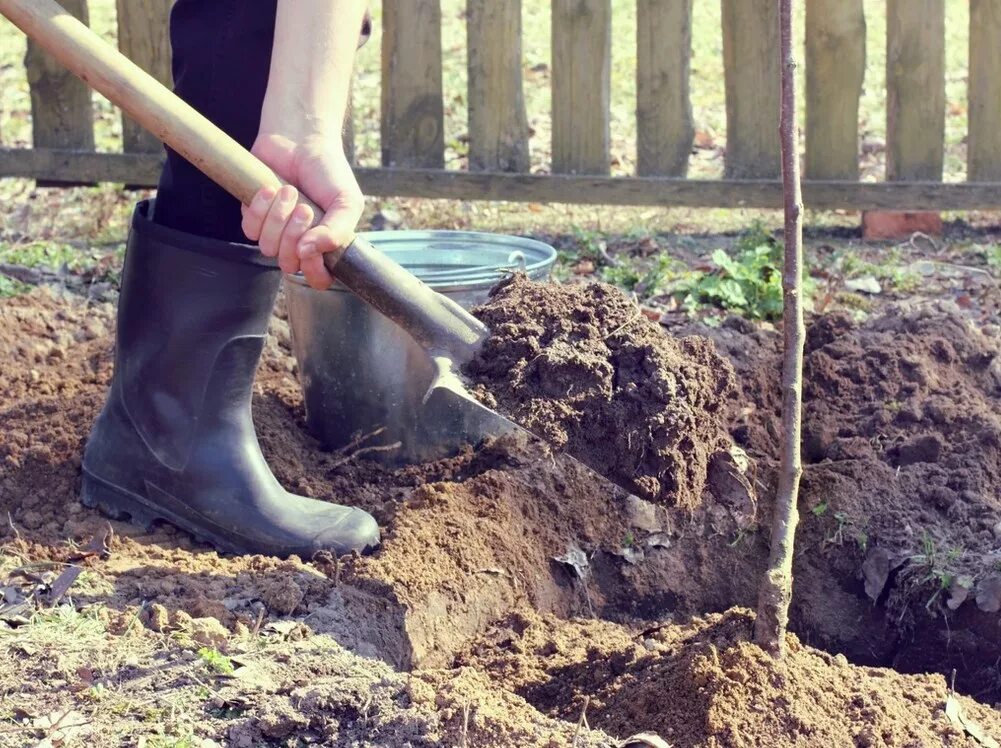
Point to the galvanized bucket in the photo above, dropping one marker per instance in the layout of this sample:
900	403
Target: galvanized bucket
361	374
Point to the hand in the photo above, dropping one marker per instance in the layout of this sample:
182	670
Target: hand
319	167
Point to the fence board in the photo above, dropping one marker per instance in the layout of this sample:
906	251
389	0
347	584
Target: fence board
663	107
915	89
984	141
144	169
751	71
581	80
61	108
412	113
143	38
835	65
498	125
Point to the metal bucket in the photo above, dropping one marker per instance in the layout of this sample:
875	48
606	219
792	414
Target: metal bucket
359	372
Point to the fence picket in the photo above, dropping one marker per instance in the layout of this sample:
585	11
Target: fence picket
915	89
984	141
663	107
751	70
61	107
412	111
143	38
581	80
498	125
835	65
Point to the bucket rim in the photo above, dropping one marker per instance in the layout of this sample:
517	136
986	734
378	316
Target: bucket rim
541	257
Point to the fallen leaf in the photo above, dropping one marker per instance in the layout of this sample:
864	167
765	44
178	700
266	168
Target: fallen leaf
876	570
989	594
959	591
658	540
954	711
576	559
704	139
644	739
865	284
630	553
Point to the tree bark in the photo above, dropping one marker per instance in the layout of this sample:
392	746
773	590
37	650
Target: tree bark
775	594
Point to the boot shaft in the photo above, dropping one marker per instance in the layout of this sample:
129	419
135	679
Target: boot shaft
188	308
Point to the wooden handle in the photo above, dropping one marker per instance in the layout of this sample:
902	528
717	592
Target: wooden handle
144	98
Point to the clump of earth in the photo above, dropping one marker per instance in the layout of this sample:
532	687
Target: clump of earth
581	366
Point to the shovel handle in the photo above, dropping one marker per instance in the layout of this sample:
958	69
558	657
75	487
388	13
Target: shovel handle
433	320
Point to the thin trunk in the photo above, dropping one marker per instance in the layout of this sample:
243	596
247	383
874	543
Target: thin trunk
776	588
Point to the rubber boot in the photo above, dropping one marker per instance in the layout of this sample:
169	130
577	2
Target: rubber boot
175	440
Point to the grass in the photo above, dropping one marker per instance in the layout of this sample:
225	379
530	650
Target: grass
216	661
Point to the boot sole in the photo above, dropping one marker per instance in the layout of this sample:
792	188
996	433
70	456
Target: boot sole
122	505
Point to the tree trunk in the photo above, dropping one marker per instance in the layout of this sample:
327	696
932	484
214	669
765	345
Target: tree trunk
776	588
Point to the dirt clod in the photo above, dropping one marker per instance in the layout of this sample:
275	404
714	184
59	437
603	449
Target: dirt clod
583	368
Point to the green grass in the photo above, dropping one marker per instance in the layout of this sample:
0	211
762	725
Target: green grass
216	661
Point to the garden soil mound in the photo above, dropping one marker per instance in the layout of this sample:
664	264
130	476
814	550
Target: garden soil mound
582	367
901	494
703	684
509	533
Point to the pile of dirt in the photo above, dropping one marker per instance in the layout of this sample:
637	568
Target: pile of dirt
901	493
704	684
582	367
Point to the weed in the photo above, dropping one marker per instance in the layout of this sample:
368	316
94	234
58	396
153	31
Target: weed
216	661
10	287
892	271
163	741
820	509
837	537
738	538
936	566
624	275
992	253
629	541
749	282
862	540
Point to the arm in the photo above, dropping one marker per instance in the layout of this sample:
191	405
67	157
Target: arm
300	136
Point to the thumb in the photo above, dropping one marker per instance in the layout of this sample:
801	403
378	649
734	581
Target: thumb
335	232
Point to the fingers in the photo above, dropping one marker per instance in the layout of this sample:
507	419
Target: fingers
334	233
274	224
255	213
300	220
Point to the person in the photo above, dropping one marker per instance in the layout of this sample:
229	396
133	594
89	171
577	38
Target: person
175	440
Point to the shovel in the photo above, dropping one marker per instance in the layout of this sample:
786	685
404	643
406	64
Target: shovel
450	416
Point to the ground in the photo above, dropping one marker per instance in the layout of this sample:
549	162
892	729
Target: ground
513	604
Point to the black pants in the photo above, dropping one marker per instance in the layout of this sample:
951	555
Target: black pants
221	58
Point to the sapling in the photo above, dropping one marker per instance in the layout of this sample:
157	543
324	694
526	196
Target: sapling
775	594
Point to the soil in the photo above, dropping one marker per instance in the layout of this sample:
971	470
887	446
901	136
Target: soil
901	494
582	367
509	587
703	684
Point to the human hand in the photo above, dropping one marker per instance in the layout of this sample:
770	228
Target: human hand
320	169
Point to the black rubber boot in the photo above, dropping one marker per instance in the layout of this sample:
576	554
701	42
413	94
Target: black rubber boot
175	440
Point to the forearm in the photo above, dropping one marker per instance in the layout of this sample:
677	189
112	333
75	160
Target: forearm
311	63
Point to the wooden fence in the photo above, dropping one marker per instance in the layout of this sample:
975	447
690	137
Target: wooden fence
412	108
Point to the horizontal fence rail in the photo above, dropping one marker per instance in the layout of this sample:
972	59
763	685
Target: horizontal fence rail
412	112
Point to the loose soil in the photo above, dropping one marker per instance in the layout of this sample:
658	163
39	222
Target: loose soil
581	366
508	587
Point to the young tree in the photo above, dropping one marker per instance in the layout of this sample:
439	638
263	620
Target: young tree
776	589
